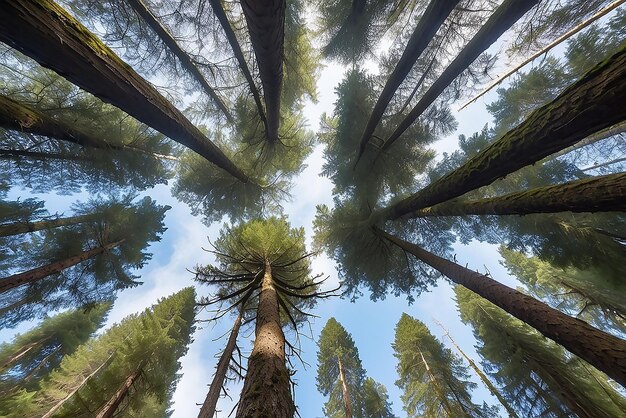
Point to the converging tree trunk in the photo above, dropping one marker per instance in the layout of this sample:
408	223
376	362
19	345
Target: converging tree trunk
593	103
347	404
109	409
594	194
210	403
39	273
266	390
500	21
47	33
17	228
185	60
604	351
266	26
434	15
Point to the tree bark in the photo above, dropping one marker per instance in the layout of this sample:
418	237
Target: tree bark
39	273
593	194
17	228
593	103
604	351
500	21
266	26
434	15
266	390
347	405
166	37
109	409
45	32
210	403
216	5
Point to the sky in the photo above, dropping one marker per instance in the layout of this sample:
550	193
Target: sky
372	324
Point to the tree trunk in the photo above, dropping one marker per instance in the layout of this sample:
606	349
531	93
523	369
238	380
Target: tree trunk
109	409
243	65
347	405
266	390
18	228
604	351
442	396
616	129
434	15
593	103
208	407
42	363
499	22
604	164
39	273
60	404
21	354
18	155
45	32
593	194
483	377
545	50
266	26
166	37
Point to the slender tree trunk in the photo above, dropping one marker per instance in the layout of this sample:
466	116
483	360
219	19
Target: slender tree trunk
243	65
500	21
266	390
604	164
42	363
39	273
45	32
545	50
20	354
616	129
593	194
60	404
442	396
208	407
582	109
17	228
166	37
604	351
18	155
483	377
347	404
109	409
434	15
266	26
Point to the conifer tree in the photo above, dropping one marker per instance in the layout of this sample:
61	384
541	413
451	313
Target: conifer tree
132	365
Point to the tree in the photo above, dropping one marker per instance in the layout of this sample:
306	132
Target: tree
132	363
375	403
83	263
265	263
33	355
433	379
536	375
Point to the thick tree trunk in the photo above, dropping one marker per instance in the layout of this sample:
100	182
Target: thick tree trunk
166	37
594	194
243	65
593	103
483	377
60	404
39	273
502	19
47	33
17	228
109	409
434	15
604	351
266	390
347	404
266	26
208	407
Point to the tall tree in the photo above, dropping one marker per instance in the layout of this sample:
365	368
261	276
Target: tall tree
536	375
434	380
131	363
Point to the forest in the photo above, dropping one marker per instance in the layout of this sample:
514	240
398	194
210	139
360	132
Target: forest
344	209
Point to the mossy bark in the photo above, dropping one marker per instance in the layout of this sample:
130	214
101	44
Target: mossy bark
17	228
593	103
499	22
47	33
266	26
604	351
39	273
594	194
266	391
